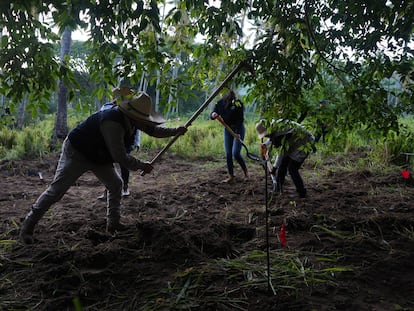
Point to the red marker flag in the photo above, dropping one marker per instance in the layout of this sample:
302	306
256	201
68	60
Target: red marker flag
405	173
282	235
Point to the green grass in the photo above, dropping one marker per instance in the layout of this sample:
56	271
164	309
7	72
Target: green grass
204	139
30	142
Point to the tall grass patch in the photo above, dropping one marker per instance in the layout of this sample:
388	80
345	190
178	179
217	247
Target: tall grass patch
33	143
30	142
204	139
7	141
391	149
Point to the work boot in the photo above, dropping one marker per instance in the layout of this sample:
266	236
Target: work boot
277	187
125	192
27	227
114	226
229	180
113	223
103	196
246	174
302	193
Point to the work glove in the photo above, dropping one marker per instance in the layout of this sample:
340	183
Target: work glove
147	167
181	130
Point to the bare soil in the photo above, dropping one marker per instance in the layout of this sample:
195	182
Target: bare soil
194	243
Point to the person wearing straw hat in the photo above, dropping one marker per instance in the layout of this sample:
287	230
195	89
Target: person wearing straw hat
232	111
295	144
94	145
122	93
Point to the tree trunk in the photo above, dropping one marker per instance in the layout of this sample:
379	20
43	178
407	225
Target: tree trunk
157	91
143	85
21	112
173	109
61	129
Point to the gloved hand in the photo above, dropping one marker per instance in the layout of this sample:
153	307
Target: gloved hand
181	130
147	167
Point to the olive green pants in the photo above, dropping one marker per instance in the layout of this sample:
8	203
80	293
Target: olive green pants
72	164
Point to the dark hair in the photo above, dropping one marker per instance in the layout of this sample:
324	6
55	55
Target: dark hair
229	98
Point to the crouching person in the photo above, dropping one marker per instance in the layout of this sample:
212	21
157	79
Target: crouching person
295	143
95	145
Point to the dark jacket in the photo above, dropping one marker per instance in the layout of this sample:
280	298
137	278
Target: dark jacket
87	137
295	140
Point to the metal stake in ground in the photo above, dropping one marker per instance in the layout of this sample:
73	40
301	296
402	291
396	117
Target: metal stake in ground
264	152
202	107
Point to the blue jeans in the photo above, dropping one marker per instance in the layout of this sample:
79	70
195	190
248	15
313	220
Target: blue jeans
232	148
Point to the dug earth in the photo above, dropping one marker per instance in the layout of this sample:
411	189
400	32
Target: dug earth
195	243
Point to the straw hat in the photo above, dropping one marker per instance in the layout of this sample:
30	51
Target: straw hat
139	108
261	130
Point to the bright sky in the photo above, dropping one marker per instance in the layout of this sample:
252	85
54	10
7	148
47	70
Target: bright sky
79	35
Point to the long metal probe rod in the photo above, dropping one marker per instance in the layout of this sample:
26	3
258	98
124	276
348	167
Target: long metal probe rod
200	109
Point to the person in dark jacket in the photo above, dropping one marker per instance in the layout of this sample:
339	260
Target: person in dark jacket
232	111
122	93
94	145
295	143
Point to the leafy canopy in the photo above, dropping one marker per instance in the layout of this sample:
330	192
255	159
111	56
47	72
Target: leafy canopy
298	49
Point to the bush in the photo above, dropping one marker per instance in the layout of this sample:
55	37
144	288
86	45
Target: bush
390	149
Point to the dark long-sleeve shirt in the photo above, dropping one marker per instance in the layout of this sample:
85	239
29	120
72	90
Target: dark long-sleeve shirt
113	133
105	136
233	114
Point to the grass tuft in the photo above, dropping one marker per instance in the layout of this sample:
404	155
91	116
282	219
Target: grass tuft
291	273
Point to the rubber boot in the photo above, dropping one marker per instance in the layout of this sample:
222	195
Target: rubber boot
27	227
113	223
229	180
277	188
246	174
125	191
103	196
302	193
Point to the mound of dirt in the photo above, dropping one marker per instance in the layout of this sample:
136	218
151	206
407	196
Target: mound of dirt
196	243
